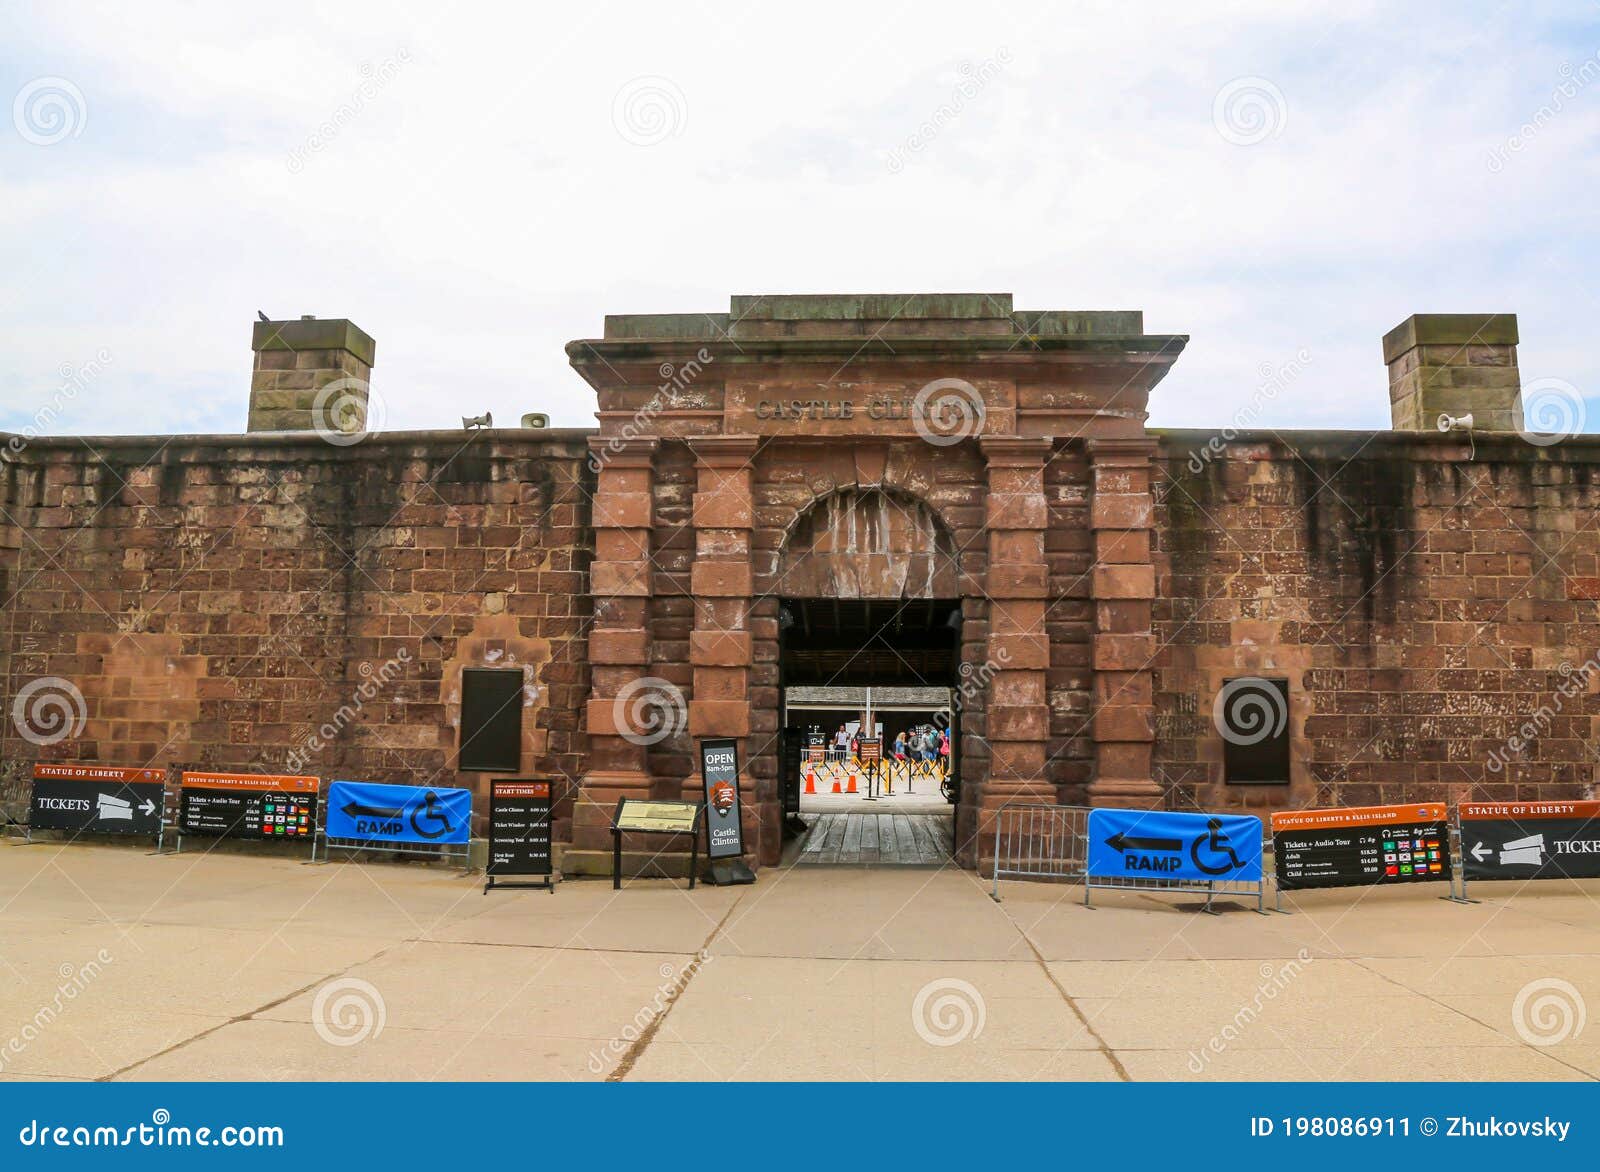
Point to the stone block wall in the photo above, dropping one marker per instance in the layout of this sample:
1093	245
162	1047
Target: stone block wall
1430	599
282	604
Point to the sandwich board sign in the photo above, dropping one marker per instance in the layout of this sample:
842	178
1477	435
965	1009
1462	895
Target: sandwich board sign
519	832
719	772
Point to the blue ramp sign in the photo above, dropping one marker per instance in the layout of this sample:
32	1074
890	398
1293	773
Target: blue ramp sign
1159	844
373	813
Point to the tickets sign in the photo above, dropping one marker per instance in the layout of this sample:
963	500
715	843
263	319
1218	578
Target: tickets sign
1530	840
97	799
249	805
1361	846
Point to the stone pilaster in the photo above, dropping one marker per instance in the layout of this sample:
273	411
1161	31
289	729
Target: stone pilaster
1017	716
721	582
1123	589
619	641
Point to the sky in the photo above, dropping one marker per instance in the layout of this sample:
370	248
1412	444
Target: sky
477	185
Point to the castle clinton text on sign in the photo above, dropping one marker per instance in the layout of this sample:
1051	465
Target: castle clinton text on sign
771	490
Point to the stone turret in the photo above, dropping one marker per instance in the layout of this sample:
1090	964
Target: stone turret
1454	364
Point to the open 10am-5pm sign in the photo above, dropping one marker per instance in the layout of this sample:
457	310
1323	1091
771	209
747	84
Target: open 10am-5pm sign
719	771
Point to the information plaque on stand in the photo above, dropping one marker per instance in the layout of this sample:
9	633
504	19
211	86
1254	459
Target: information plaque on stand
644	816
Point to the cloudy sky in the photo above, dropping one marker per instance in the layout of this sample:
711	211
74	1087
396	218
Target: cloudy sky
476	186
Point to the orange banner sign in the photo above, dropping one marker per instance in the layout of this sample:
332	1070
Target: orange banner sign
117	773
261	781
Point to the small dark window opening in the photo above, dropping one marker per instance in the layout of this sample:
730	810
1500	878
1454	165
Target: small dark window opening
1252	714
491	720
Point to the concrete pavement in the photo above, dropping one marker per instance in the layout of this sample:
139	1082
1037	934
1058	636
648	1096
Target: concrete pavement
118	964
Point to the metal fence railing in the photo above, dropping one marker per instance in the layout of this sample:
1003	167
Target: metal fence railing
836	765
1210	888
1040	842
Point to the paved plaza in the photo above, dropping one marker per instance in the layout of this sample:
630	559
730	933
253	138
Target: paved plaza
122	965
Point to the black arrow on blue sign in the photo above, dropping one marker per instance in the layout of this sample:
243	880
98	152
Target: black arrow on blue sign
357	810
1123	842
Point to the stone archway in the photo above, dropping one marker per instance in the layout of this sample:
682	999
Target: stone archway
868	543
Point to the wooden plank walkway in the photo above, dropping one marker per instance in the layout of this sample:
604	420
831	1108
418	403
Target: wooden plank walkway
883	840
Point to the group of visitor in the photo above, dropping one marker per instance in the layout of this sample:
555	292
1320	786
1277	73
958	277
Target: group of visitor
922	745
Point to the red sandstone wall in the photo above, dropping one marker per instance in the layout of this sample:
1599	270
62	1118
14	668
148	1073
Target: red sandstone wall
294	606
1425	606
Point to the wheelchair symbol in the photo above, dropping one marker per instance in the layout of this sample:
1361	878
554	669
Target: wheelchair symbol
433	812
1215	841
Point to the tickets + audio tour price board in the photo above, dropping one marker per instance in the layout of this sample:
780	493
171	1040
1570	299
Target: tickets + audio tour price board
263	807
1361	846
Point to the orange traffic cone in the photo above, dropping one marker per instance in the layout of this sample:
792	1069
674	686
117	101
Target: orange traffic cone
836	788
852	788
811	781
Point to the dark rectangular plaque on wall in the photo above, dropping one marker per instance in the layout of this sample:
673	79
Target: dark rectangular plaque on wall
491	720
1252	715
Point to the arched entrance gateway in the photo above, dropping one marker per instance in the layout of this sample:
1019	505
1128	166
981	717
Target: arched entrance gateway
925	491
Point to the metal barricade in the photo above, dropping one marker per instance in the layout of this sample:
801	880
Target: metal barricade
1458	861
1040	842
